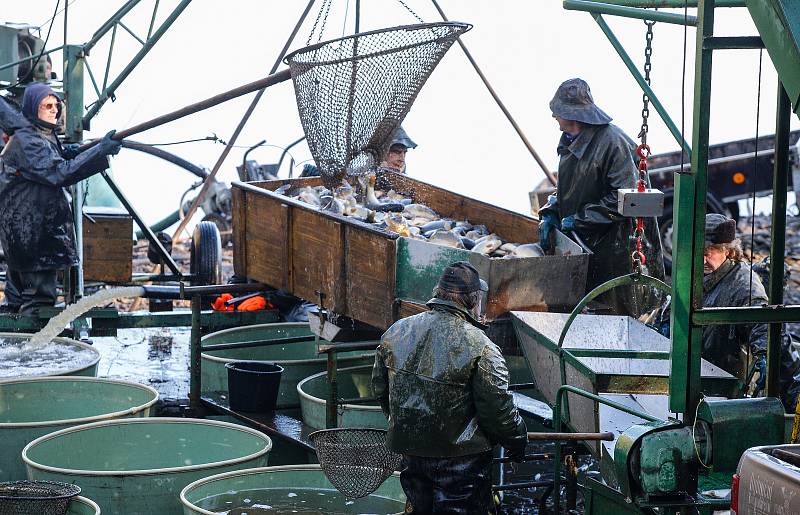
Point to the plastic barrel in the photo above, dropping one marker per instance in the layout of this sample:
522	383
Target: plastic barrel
253	385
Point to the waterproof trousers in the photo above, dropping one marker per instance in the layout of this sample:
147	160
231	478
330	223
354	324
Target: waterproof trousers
461	485
28	291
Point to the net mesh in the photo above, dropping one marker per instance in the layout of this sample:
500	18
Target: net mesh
39	497
352	93
355	460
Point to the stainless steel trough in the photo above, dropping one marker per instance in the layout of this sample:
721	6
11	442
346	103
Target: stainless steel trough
616	357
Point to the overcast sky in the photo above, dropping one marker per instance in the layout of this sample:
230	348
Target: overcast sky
526	48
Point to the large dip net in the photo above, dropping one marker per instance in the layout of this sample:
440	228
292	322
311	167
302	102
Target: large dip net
39	497
355	460
353	92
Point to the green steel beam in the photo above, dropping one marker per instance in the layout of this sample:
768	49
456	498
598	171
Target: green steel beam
30	58
673	4
654	101
777	249
108	92
733	43
628	12
688	237
73	92
747	315
617	353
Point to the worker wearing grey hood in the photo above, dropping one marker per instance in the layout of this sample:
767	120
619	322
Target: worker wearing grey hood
36	223
396	156
596	160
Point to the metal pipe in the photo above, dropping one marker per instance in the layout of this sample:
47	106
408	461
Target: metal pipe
109	24
162	224
674	4
207	184
777	251
520	486
255	343
502	106
216	289
346	347
332	407
657	105
526	458
570	437
629	12
37	55
192	168
746	315
195	375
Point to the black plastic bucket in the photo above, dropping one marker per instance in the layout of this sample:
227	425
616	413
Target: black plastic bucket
253	385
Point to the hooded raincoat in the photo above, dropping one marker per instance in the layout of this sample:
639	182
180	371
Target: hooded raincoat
444	386
592	167
36	227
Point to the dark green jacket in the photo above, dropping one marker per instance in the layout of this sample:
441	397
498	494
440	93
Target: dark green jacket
590	171
725	345
444	386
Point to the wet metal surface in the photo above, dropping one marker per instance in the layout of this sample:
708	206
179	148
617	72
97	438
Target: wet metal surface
158	357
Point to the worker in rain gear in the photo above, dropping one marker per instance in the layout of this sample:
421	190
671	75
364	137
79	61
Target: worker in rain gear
597	159
396	156
36	222
444	387
729	282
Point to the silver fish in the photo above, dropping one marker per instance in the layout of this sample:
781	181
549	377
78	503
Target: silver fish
508	247
446	238
528	250
281	190
419	211
487	246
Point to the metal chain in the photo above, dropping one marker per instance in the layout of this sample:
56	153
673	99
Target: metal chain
325	7
648	65
415	15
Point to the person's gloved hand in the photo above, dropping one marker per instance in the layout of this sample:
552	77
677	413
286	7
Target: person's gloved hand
515	450
548	223
109	146
568	224
761	367
71	151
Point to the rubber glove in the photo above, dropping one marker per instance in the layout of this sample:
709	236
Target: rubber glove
109	146
568	224
70	151
549	221
515	449
761	382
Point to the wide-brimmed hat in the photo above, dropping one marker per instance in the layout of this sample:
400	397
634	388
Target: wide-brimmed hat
573	101
719	229
461	277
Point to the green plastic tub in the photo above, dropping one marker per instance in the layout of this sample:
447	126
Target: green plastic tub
286	489
353	383
61	357
299	360
82	506
30	408
139	466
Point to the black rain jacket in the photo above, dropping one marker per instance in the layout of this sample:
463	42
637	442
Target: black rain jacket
36	224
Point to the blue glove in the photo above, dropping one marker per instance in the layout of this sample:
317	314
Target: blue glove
109	146
548	223
70	151
568	224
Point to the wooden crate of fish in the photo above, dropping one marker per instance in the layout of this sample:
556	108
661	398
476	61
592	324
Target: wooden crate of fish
376	248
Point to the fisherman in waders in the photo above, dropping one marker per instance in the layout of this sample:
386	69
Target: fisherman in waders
739	349
597	159
444	387
36	228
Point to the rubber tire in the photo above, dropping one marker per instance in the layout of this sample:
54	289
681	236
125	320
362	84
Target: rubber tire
205	260
223	225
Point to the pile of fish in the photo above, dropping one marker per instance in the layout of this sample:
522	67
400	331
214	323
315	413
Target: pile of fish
397	213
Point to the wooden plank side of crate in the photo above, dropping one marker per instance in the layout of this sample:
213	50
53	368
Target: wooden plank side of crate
108	248
239	224
317	259
267	239
370	277
507	224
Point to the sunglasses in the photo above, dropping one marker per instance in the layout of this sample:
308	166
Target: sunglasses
48	106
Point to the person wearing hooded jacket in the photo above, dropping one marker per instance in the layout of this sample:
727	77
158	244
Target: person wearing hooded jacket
36	223
444	387
596	160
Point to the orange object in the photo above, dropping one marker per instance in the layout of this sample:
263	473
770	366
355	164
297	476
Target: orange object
219	303
738	178
253	304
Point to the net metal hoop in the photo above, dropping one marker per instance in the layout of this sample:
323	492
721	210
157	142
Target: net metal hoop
355	460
